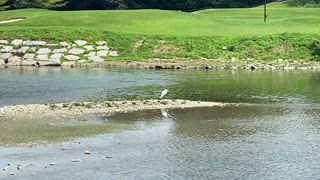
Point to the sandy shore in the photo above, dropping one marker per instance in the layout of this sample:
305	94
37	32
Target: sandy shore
11	21
187	64
105	108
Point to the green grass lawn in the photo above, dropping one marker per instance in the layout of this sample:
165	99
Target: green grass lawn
222	22
202	34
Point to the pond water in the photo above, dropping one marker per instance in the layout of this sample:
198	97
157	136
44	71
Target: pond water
42	85
245	142
273	134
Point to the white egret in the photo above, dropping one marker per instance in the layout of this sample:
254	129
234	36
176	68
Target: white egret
163	93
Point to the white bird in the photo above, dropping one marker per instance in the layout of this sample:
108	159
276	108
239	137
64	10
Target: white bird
163	93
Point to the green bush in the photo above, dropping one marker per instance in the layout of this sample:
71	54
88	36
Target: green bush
315	49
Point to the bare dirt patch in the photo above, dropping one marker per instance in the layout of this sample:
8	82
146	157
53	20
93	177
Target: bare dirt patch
137	45
11	20
281	49
164	48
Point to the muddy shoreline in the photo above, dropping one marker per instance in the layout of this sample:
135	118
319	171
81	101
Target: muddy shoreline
210	64
187	64
105	108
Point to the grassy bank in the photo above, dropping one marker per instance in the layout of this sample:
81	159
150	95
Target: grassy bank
144	34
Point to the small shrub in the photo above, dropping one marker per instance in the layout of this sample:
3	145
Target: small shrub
315	49
77	104
88	105
53	106
231	48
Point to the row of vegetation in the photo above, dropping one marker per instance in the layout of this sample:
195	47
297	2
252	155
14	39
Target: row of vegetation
143	4
289	47
305	3
128	4
290	33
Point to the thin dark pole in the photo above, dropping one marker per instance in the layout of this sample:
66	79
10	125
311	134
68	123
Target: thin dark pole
265	11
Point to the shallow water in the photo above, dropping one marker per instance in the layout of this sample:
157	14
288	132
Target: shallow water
42	85
273	134
244	142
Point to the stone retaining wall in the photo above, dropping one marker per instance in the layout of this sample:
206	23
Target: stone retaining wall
41	53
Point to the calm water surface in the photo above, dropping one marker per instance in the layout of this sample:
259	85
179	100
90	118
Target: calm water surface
41	85
273	134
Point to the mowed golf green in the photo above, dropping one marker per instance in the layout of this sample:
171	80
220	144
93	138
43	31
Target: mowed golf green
220	22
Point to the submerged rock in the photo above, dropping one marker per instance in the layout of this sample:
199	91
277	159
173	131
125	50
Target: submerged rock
87	152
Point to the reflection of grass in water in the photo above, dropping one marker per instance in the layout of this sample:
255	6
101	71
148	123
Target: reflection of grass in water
33	131
136	93
230	86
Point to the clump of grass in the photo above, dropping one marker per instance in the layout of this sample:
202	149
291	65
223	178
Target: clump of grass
77	104
109	104
53	106
164	102
88	105
315	49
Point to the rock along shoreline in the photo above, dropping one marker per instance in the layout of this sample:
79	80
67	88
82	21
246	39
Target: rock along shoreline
105	108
